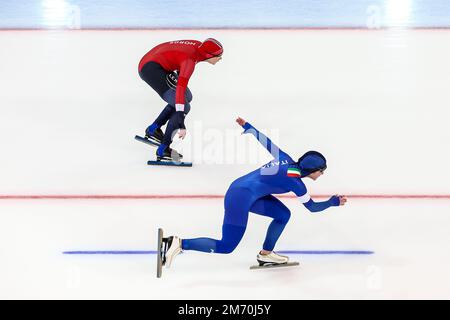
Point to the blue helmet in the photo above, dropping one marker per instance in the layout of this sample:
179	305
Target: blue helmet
310	162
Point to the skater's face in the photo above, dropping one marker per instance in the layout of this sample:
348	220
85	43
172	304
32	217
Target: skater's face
214	60
316	174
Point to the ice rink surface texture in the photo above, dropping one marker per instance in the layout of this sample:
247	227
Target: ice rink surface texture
375	103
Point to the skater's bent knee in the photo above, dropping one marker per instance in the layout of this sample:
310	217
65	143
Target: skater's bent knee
187	108
228	244
188	95
285	216
226	248
231	236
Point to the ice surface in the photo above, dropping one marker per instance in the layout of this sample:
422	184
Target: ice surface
375	103
410	241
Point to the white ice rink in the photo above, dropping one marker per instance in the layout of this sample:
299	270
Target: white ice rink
374	102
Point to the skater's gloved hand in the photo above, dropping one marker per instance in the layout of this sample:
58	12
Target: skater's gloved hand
338	200
182	133
179	118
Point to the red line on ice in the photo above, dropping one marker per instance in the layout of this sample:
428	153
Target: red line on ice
203	196
231	29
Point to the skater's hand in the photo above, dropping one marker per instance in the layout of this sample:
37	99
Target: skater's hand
182	133
342	200
338	200
241	121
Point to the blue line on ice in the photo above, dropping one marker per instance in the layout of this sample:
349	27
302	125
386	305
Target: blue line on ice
322	252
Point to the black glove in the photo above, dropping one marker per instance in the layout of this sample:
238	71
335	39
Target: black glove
179	118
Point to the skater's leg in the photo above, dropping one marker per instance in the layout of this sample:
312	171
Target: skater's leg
169	96
156	77
162	119
231	236
237	204
270	206
169	110
154	130
188	95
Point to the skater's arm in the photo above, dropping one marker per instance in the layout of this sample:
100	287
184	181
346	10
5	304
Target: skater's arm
334	201
186	70
263	139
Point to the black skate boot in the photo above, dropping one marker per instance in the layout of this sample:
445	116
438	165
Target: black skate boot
168	154
156	136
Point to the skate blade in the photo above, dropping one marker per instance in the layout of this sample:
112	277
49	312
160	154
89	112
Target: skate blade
149	141
169	158
160	260
274	265
170	163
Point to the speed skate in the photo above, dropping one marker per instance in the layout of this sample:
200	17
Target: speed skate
150	142
161	253
169	163
274	265
272	260
161	161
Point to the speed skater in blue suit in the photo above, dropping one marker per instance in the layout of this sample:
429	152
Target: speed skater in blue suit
254	192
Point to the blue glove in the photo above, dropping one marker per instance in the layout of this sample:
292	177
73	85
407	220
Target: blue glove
335	201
